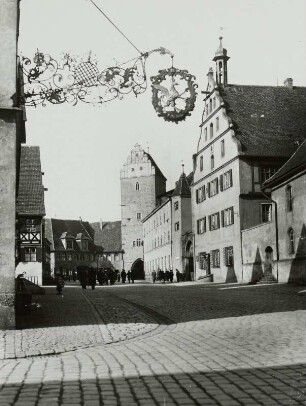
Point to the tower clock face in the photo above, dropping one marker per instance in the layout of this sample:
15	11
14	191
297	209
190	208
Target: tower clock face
174	94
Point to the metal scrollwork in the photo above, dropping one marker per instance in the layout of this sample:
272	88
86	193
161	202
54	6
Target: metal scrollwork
174	94
47	81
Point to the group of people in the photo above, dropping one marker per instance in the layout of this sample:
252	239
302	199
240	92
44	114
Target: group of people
123	276
166	276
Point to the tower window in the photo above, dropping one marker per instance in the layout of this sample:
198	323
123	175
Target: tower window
201	163
211	130
176	205
212	162
217	123
177	226
222	148
138	216
210	105
205	133
137	186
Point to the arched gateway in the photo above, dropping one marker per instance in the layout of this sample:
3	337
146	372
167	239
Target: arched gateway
138	269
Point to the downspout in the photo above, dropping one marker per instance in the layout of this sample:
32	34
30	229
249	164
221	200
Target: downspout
276	232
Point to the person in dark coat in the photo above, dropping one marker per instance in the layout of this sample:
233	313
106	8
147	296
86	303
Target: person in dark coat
167	275
92	278
177	275
132	276
83	278
129	276
162	276
171	275
123	276
154	276
60	283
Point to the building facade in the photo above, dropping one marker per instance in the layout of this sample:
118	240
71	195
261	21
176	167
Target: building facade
72	247
157	239
31	252
108	235
168	240
141	182
278	246
12	133
247	133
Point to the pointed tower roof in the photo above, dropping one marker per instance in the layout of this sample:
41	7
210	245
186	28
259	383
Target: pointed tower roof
182	187
221	52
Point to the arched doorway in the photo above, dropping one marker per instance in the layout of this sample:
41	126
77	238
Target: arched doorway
189	265
268	260
138	269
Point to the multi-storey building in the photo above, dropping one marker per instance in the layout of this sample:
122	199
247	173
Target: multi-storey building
168	241
108	235
30	243
247	133
72	246
277	246
141	182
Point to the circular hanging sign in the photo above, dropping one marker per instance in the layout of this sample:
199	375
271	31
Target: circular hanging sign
174	94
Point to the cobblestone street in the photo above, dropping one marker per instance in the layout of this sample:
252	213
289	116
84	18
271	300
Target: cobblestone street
172	344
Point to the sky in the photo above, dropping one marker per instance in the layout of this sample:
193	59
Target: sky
83	147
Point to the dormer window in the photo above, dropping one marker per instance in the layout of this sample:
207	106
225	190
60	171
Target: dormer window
69	244
85	245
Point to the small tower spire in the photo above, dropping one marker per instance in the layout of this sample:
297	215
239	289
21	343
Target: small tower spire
221	59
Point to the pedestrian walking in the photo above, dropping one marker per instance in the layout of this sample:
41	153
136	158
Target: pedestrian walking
177	275
129	276
171	275
167	275
154	276
60	283
83	278
162	276
123	276
92	278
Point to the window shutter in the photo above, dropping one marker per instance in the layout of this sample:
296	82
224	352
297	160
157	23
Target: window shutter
198	226
208	189
230	177
204	192
209	220
197	195
232	213
218	220
204	224
221	183
222	218
217	188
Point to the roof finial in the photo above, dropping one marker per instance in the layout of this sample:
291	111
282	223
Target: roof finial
183	166
220	38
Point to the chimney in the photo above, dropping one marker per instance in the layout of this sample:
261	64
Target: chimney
288	83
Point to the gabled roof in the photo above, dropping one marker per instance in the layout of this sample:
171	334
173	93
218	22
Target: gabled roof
158	172
182	187
66	235
30	196
109	236
57	227
295	164
81	236
267	120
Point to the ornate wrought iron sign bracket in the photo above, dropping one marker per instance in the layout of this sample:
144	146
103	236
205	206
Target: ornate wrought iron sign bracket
48	81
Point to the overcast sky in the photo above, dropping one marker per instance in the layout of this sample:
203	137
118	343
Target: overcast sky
83	147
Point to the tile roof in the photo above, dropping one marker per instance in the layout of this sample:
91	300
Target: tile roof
30	196
158	171
73	227
267	120
182	187
109	236
295	164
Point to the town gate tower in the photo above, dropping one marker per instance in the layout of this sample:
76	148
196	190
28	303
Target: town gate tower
141	182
